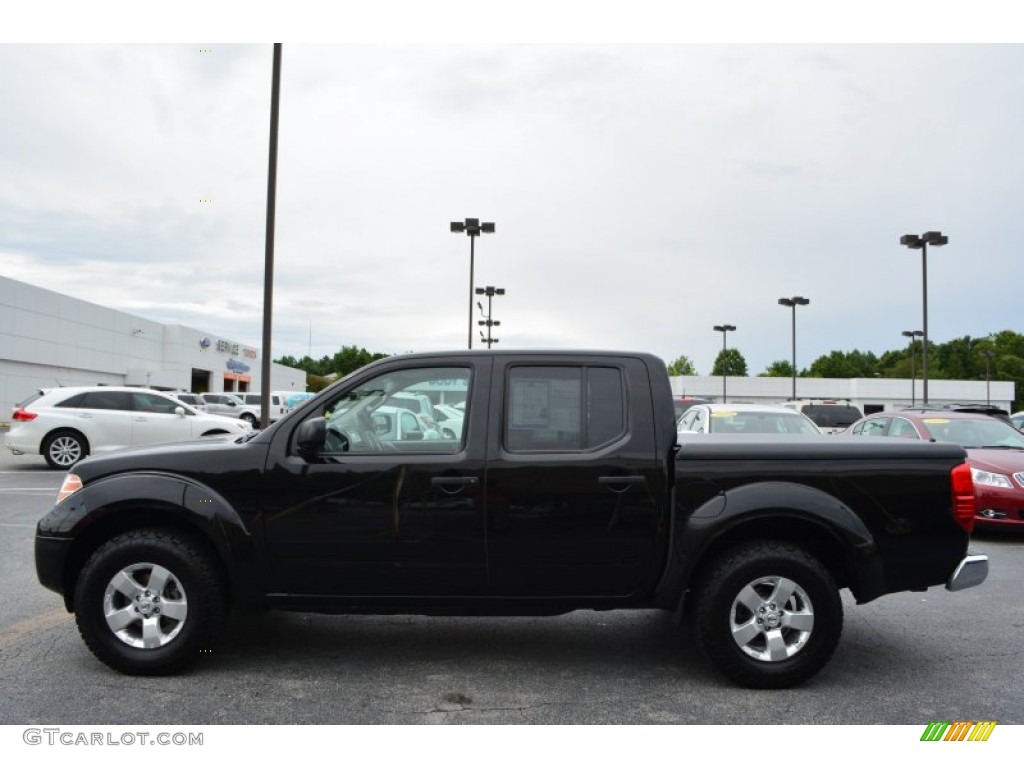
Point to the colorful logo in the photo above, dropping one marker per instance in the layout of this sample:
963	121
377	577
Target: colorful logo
959	730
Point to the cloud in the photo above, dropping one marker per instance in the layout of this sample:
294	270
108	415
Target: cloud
642	193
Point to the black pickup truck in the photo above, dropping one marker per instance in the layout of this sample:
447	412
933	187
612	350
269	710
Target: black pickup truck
564	488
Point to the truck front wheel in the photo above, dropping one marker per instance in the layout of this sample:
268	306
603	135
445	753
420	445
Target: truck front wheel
149	601
768	614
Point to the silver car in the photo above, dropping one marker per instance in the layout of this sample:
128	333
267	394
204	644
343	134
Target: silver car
231	404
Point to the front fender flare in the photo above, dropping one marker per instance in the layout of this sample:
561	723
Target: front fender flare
109	506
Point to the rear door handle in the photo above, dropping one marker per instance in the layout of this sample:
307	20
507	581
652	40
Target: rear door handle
620	483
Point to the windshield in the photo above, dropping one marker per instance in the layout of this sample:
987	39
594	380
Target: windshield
982	432
753	422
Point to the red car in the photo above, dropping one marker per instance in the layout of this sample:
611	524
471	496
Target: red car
995	452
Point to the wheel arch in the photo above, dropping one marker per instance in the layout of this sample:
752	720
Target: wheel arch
776	511
115	506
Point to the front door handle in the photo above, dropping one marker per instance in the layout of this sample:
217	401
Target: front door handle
451	481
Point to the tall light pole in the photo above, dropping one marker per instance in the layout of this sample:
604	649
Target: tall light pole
794	302
472	227
725	365
268	256
912	335
490	292
914	242
988	354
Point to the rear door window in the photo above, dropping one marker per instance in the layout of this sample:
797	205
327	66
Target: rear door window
562	409
107	401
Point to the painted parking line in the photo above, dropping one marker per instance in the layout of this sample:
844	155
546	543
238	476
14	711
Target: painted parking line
21	631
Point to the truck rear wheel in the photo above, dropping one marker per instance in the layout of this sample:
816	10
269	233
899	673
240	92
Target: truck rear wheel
768	615
149	601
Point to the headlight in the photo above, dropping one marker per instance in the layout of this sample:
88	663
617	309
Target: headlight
982	477
71	484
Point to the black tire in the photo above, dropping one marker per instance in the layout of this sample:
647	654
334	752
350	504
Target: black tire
251	418
768	615
123	603
64	448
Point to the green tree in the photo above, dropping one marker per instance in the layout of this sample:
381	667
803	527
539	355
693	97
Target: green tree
343	362
682	366
957	359
349	359
730	362
895	364
844	365
780	369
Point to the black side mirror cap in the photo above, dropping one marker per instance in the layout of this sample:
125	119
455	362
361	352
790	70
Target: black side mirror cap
310	436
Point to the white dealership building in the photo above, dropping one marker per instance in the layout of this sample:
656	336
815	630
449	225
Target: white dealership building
48	339
869	395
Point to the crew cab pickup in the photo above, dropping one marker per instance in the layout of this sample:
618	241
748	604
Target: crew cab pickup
567	488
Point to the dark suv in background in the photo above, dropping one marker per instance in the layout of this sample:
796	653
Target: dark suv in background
982	408
831	416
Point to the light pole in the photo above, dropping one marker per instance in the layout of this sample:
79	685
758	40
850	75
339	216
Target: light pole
988	355
490	292
794	302
472	227
912	335
725	363
914	242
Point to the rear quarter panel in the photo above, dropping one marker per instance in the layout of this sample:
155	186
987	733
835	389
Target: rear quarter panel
882	512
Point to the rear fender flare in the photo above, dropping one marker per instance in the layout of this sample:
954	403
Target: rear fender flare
814	510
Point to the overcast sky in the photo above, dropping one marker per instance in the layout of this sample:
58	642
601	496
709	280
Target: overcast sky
642	193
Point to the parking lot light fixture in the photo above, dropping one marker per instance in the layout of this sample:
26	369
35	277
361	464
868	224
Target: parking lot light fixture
912	335
725	330
473	228
921	242
490	292
794	302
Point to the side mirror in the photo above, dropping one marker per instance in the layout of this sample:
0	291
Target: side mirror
179	410
309	438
